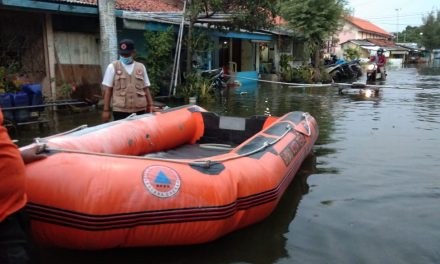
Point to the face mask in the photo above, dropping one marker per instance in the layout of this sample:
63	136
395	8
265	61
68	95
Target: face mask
126	60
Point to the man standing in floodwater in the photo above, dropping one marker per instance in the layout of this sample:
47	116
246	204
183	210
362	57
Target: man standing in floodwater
126	84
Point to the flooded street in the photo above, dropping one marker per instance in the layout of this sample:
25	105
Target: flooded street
370	193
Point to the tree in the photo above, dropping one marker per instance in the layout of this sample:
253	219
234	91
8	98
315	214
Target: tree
431	31
317	20
412	34
159	46
240	14
352	53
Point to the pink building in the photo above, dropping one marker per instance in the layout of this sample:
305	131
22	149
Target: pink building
356	29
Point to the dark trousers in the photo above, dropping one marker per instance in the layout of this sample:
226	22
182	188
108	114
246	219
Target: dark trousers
15	239
122	115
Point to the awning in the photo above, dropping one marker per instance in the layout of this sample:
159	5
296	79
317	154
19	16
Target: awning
148	25
161	21
244	35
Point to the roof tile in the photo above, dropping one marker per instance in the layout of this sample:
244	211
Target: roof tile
134	5
146	6
382	42
367	26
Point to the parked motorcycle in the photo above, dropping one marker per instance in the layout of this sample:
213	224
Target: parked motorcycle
218	78
343	70
373	73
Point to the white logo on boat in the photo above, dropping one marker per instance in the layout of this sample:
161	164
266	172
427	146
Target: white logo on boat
161	181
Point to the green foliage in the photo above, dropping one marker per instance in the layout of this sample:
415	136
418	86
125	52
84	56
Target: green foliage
352	53
9	81
284	62
245	14
317	20
196	85
65	90
431	31
201	41
411	34
159	46
305	74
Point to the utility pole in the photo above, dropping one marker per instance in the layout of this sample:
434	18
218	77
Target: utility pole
107	24
397	23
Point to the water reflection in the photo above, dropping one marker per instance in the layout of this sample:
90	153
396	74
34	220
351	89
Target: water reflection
427	108
264	242
432	71
59	121
357	96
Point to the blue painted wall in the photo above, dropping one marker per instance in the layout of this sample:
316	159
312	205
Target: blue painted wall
247	86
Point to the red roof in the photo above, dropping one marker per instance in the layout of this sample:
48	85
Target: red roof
146	6
280	21
135	5
367	26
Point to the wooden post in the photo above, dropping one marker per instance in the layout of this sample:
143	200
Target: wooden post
50	40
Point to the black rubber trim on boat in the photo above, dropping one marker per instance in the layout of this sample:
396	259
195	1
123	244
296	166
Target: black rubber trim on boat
295	117
212	169
255	144
260	154
277	130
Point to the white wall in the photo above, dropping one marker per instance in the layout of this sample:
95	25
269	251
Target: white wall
394	63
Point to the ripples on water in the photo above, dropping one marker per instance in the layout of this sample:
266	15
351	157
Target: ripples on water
371	193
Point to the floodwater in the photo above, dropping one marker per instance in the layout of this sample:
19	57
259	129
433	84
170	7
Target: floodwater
370	193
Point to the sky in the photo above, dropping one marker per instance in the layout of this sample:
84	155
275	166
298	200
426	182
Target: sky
383	13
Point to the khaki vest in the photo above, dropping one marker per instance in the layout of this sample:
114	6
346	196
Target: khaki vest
128	90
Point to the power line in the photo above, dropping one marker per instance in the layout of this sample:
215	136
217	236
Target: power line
394	17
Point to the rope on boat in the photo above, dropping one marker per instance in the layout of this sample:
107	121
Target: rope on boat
40	140
81	127
306	117
201	163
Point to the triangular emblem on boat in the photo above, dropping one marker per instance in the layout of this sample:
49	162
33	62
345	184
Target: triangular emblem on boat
161	178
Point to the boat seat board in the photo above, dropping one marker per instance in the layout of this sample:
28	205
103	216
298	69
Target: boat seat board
232	123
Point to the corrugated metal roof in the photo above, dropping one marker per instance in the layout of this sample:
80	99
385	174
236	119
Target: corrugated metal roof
361	42
82	2
375	44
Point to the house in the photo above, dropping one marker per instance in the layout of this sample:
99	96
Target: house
395	51
285	42
396	54
356	29
58	42
416	54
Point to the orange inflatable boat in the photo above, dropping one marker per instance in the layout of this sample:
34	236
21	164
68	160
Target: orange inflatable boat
182	176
